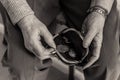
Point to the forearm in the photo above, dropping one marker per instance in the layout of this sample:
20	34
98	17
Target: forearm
17	9
106	4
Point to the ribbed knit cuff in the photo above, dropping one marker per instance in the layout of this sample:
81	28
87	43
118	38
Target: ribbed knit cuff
17	9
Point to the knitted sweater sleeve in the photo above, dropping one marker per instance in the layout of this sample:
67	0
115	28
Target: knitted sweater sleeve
17	9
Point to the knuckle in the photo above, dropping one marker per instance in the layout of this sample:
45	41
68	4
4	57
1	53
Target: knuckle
96	57
28	47
85	42
98	45
51	38
31	42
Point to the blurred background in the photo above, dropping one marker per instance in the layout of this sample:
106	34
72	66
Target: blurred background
3	71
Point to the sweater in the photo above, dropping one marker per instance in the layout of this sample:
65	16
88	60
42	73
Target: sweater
18	9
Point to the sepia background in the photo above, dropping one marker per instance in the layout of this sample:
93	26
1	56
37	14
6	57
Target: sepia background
3	71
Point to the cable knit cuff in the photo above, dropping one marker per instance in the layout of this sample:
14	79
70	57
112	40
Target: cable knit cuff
17	9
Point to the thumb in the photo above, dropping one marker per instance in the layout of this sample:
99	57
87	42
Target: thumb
49	39
89	37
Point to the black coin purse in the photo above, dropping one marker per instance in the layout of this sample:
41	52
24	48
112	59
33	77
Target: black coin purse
69	47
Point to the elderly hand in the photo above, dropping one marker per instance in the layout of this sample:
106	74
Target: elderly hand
32	30
93	27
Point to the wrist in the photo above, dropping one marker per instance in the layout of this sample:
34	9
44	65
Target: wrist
106	4
26	21
17	9
99	10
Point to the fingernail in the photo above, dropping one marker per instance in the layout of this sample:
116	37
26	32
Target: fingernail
53	53
53	45
52	50
85	45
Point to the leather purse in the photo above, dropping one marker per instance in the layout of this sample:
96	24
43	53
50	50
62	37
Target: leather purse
69	46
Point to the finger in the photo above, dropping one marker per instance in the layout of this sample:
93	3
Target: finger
48	38
48	53
89	37
51	51
94	58
98	39
83	30
39	50
96	51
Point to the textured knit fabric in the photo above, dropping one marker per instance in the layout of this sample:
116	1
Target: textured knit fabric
17	9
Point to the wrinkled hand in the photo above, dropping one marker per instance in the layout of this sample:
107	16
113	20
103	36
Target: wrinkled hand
93	27
32	30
